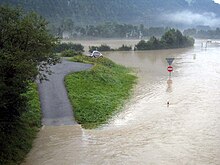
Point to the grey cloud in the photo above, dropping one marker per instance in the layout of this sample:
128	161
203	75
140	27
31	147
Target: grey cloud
189	18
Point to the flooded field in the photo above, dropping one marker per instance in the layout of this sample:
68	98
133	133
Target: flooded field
147	131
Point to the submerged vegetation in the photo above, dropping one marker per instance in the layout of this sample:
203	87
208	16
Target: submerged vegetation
70	49
108	48
170	40
124	48
69	53
60	47
98	93
100	48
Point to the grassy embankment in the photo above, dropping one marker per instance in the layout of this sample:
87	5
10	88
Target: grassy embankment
98	93
17	144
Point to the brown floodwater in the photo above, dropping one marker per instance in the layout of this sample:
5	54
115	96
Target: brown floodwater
147	131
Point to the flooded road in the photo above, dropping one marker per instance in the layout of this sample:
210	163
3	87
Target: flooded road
147	131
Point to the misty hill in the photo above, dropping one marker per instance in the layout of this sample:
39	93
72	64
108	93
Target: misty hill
147	12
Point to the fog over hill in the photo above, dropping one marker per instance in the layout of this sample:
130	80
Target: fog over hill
177	13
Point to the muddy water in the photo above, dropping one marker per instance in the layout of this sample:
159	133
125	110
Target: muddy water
147	131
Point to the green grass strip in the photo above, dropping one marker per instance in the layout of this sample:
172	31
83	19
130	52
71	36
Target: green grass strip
16	144
98	93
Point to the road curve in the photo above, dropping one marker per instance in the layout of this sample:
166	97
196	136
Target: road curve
55	105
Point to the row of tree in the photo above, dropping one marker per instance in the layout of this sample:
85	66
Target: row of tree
170	40
60	47
204	34
70	48
108	48
68	29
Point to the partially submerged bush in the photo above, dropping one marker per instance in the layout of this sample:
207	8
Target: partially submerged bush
125	48
100	48
172	39
68	46
69	53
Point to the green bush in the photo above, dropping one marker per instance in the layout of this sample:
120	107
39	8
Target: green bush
100	48
170	40
141	45
69	53
108	48
60	47
25	53
16	143
124	48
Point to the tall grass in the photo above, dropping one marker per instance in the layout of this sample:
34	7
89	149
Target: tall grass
98	93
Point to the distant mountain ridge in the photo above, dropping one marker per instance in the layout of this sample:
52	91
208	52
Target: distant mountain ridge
147	12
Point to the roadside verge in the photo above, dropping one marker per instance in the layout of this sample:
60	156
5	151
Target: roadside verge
97	94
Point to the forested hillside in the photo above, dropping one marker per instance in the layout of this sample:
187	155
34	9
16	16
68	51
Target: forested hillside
147	12
82	11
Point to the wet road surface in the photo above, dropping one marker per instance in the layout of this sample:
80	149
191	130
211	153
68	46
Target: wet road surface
55	105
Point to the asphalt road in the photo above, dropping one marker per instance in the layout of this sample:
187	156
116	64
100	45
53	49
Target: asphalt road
55	105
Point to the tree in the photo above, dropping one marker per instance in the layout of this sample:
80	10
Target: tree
68	25
60	47
25	53
141	45
170	40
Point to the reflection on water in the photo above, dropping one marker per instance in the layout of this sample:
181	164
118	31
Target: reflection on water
169	85
146	131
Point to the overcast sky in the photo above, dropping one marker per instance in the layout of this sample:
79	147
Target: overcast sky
191	18
217	1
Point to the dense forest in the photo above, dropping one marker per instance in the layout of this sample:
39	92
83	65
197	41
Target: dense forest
118	19
114	30
106	30
95	11
123	18
84	12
